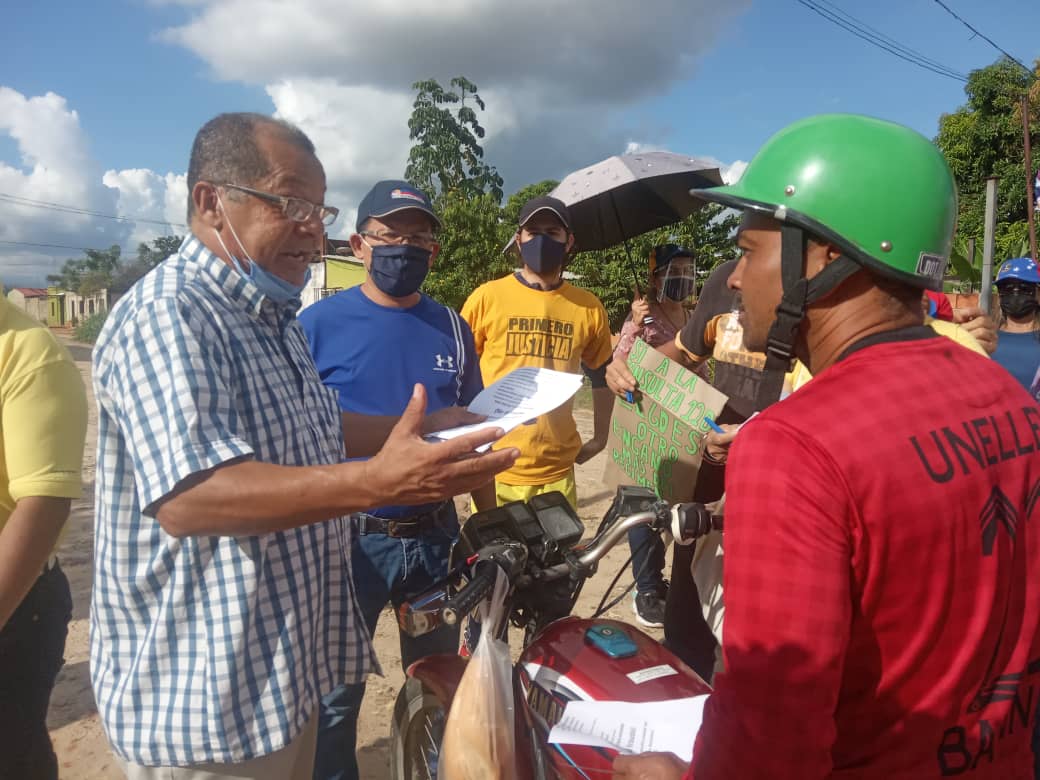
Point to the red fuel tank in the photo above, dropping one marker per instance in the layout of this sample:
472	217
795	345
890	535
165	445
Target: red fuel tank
594	660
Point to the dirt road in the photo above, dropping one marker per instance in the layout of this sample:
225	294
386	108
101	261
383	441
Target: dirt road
83	751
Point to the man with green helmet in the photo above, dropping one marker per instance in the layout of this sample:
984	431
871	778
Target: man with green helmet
882	607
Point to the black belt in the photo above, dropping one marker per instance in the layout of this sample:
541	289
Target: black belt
400	527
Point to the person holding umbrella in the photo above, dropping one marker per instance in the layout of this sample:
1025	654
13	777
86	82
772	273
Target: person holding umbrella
659	315
534	317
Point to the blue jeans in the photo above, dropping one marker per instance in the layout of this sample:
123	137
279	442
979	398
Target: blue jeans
32	646
647	558
386	570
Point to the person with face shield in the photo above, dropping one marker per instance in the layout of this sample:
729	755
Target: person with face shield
660	315
222	605
1018	343
371	345
656	319
534	317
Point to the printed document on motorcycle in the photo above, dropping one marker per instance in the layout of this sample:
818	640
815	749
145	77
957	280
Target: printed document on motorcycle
518	397
632	727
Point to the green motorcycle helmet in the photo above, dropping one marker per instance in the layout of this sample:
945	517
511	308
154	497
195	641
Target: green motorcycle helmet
881	192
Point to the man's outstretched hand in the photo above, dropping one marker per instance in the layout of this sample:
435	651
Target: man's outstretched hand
408	470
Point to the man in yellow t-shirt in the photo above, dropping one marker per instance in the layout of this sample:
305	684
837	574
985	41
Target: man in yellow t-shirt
43	420
535	318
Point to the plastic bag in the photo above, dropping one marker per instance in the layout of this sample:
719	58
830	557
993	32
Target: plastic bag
478	735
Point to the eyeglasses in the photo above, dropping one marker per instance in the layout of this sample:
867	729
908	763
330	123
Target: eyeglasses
424	240
296	209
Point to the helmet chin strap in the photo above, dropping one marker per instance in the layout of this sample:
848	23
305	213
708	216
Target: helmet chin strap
799	293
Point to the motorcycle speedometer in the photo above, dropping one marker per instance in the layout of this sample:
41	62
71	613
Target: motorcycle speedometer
558	519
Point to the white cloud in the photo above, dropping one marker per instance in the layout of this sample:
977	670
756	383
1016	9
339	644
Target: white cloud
144	193
554	76
359	133
55	167
556	79
635	147
731	173
584	50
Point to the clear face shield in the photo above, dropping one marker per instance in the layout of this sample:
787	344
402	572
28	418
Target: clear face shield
677	281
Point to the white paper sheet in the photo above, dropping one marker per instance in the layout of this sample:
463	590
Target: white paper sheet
519	396
641	727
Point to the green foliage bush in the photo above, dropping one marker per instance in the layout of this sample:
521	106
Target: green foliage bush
89	329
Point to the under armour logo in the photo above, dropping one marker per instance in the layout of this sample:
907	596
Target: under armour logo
447	363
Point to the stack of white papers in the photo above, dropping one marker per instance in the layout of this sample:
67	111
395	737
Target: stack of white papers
633	727
516	398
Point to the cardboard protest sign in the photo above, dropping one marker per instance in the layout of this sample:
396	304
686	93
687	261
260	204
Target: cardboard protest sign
657	441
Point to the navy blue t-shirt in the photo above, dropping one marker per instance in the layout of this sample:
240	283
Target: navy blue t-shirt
373	355
1019	353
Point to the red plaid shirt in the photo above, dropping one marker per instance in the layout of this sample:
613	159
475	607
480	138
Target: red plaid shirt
881	581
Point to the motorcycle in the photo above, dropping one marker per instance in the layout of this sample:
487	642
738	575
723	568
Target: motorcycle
564	658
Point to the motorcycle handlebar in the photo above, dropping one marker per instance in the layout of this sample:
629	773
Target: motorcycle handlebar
600	547
688	523
484	573
692	521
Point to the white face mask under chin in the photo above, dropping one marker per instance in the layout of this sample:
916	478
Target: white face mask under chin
271	285
234	233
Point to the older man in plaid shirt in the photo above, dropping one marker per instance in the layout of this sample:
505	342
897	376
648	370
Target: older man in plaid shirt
222	606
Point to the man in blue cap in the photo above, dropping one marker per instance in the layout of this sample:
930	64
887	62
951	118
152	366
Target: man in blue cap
371	345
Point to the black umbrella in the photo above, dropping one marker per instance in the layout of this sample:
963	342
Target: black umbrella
629	194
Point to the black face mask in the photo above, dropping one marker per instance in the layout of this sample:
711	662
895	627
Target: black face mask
678	289
1019	304
543	255
399	270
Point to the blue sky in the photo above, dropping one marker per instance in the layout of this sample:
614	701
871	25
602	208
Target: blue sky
564	88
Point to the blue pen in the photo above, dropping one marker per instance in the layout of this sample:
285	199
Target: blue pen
629	397
714	425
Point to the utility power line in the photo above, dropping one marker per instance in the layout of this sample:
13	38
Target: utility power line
988	40
123	251
17	200
913	53
865	32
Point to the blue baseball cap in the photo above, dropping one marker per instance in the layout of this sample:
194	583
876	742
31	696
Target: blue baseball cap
390	196
1021	268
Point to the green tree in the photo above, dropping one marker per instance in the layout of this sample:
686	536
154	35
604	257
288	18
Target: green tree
148	257
447	161
161	248
983	138
88	274
516	201
471	242
447	155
